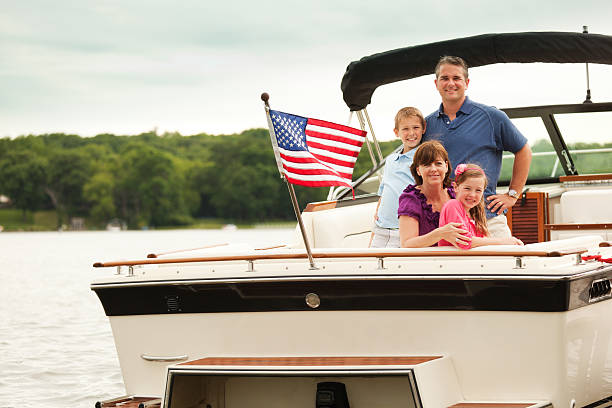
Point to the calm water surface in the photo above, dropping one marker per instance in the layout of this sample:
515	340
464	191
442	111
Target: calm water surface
56	345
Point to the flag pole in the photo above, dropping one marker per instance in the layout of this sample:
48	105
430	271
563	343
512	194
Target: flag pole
296	208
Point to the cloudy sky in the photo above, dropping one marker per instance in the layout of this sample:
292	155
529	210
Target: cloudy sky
198	66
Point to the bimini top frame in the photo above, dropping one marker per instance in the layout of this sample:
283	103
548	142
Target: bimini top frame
363	77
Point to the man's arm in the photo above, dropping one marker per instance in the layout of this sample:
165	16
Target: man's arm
522	160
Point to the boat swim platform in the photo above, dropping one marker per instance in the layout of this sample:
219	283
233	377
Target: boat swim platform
130	401
390	381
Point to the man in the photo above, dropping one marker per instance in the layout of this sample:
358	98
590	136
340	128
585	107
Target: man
476	133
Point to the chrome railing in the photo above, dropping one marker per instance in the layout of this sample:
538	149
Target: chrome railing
553	153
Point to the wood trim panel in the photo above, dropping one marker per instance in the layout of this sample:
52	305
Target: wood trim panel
325	205
586	177
311	361
570	227
493	405
527	221
406	253
130	402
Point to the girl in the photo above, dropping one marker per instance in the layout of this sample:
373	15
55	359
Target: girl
468	209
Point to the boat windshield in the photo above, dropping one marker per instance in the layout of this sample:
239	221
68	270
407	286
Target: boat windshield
586	136
565	140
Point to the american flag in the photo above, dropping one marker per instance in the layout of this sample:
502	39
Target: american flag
316	153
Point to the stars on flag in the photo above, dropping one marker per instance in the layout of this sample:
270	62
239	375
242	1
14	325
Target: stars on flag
290	131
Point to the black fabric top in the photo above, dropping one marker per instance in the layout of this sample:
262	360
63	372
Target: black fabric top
364	76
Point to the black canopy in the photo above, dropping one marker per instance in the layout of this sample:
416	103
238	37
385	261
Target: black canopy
364	76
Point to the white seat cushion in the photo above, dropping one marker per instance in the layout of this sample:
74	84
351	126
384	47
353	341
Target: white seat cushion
586	207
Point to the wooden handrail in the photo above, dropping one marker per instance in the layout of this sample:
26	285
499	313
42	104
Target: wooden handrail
185	250
408	253
586	177
270	247
567	227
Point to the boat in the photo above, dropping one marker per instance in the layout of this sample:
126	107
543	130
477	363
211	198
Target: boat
500	326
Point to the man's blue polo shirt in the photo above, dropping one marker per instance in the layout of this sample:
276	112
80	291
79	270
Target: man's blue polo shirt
479	134
395	179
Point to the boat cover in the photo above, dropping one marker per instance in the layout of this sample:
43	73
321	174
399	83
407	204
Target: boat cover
364	76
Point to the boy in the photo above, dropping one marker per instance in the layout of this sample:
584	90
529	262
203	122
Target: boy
409	127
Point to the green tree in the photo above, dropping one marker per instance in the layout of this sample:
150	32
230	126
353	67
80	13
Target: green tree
67	171
149	188
22	178
98	191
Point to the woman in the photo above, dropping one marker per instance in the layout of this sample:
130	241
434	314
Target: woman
420	204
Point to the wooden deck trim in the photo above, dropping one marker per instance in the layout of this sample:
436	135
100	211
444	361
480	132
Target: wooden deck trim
325	205
185	250
130	402
493	405
310	361
407	253
586	177
571	227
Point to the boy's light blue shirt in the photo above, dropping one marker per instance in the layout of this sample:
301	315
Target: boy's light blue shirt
395	179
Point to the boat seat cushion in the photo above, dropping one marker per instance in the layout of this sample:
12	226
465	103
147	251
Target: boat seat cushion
343	227
586	207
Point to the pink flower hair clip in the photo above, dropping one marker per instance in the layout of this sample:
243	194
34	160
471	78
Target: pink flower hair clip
460	169
463	167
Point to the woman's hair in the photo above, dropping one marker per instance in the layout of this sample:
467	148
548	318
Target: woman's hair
427	153
408	112
478	214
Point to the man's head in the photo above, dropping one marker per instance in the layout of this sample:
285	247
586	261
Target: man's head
452	79
409	127
457	61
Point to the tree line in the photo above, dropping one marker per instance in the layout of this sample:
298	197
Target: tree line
148	179
156	180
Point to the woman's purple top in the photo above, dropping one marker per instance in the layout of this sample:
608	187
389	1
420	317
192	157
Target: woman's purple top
413	203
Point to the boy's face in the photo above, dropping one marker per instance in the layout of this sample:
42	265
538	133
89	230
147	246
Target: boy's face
410	132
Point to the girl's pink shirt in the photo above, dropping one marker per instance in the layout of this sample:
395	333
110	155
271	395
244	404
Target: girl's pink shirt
453	211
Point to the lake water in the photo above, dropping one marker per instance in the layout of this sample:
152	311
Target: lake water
56	345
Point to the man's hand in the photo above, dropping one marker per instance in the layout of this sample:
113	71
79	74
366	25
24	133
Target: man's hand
500	202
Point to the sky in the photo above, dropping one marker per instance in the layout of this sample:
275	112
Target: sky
132	66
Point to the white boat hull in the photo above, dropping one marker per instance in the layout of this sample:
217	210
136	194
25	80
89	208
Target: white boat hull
496	355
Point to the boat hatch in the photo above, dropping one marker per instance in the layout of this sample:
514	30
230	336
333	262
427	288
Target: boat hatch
326	382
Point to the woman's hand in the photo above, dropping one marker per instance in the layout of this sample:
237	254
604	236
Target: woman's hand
507	241
453	234
515	241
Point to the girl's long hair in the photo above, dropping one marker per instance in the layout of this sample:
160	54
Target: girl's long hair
477	212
